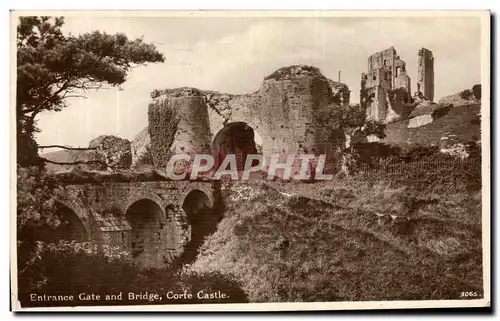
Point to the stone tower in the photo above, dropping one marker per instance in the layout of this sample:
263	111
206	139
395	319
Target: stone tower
425	82
178	124
386	72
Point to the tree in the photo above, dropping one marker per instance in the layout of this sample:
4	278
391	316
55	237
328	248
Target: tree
344	127
339	121
52	67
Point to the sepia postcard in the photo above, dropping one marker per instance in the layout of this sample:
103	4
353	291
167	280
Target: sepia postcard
250	160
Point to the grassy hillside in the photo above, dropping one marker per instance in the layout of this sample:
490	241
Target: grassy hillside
462	121
357	241
65	156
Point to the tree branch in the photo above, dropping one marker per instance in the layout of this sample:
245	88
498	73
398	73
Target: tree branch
66	147
83	162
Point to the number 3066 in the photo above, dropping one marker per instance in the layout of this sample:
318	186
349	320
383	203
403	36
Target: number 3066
468	294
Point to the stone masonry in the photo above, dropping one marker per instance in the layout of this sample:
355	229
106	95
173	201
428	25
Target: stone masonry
425	82
146	218
282	112
386	88
386	75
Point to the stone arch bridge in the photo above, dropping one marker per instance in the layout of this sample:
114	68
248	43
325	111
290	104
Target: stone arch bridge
158	221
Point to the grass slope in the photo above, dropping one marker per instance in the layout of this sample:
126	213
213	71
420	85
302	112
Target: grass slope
293	248
462	121
65	156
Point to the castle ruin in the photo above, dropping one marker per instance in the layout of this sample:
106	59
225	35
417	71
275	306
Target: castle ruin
425	65
160	220
386	87
283	113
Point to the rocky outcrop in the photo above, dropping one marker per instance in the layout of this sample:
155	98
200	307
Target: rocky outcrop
140	147
463	121
465	97
426	111
451	145
113	151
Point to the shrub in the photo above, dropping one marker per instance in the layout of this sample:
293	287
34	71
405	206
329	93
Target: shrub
466	94
286	251
476	90
423	167
70	268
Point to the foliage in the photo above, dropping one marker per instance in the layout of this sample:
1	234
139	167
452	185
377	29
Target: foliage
52	67
71	268
476	90
364	97
372	152
339	116
441	110
163	121
290	71
373	127
36	201
466	94
341	96
285	249
338	120
63	268
426	168
36	211
417	153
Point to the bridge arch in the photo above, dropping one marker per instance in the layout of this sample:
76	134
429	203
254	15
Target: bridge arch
202	220
143	195
73	224
197	187
147	219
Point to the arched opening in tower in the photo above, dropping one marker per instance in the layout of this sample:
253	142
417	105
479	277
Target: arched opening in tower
239	139
203	222
146	220
70	227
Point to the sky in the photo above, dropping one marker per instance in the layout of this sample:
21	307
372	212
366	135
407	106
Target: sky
234	54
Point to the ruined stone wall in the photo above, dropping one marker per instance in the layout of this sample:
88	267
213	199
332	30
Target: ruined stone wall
386	88
293	102
385	58
178	123
401	78
282	113
379	84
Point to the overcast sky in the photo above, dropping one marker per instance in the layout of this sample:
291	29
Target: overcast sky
233	55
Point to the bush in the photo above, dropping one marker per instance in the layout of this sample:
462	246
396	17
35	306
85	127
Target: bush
476	90
466	94
424	167
418	153
282	249
71	268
